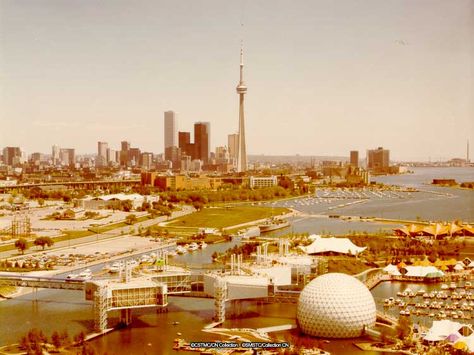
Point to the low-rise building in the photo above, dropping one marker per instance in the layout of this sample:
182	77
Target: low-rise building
257	182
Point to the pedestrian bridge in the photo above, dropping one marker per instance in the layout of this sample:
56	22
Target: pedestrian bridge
41	282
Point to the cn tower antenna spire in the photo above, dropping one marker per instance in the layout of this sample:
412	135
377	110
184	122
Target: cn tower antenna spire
241	91
241	61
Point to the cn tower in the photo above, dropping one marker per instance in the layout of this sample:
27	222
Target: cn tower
241	90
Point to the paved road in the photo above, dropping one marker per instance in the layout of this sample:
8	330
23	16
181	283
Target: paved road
96	237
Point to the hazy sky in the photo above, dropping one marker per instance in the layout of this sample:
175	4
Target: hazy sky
323	77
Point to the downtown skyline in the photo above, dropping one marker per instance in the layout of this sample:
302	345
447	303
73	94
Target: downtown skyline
330	79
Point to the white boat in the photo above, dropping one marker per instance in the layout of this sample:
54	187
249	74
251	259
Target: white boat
444	287
115	268
452	286
273	224
420	292
72	277
249	233
193	246
145	259
85	275
180	249
387	302
203	245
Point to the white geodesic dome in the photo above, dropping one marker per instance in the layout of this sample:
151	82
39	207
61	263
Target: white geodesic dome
335	306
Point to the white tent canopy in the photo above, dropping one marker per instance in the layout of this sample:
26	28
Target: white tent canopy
392	270
336	245
414	271
440	330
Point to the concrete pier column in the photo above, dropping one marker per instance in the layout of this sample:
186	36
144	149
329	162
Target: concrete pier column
126	316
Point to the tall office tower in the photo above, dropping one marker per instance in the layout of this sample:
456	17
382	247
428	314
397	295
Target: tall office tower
233	145
354	159
36	158
135	156
125	145
11	156
467	152
241	90
174	155
124	153
184	142
147	160
68	156
170	131
55	155
111	156
378	159
201	141
222	155
102	154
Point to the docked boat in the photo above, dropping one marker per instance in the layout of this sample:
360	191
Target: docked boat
249	233
405	312
193	246
202	245
180	250
452	286
85	275
387	302
444	287
114	268
273	224
145	259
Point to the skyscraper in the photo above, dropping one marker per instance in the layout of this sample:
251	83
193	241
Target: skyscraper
378	159
170	131
241	90
68	156
233	145
201	140
125	145
102	154
11	155
124	153
55	155
467	152
354	158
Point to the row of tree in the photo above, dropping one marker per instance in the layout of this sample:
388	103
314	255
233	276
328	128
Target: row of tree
22	244
204	197
36	342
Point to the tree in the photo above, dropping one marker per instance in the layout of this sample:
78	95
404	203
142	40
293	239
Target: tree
126	205
64	336
131	219
43	241
404	327
21	244
80	338
56	339
198	205
41	202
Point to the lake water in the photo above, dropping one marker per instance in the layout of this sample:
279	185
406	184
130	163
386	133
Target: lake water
153	333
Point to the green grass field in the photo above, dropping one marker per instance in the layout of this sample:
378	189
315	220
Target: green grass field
225	217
